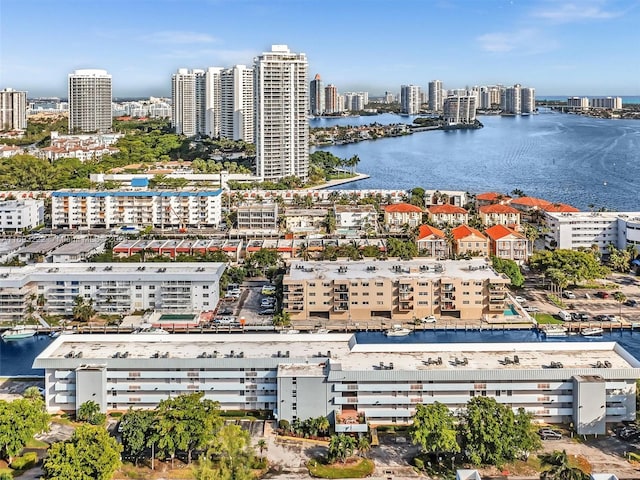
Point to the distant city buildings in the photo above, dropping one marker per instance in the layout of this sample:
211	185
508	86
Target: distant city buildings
83	147
355	101
517	100
184	106
410	99
316	96
585	103
13	110
436	100
282	103
90	101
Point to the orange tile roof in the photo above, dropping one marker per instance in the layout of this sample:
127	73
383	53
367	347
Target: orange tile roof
530	202
559	207
497	208
499	231
435	209
491	196
402	208
428	230
463	231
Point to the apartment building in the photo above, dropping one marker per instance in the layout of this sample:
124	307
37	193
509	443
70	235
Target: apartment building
113	288
305	220
469	241
258	217
90	98
499	214
316	96
281	107
160	209
436	99
393	290
460	109
397	215
354	385
332	99
237	118
609	103
447	214
13	110
19	215
507	243
410	99
355	219
186	102
573	230
432	242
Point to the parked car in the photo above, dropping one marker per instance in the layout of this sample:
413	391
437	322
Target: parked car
583	317
548	434
531	309
268	290
429	319
267	311
602	295
267	302
568	294
520	299
632	302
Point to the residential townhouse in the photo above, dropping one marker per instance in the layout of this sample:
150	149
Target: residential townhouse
447	215
432	242
489	198
498	214
399	215
469	241
355	219
305	220
258	217
508	244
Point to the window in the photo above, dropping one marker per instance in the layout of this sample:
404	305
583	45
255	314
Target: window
205	295
87	287
152	287
379	284
138	287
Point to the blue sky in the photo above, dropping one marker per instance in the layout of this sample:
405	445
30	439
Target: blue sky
577	47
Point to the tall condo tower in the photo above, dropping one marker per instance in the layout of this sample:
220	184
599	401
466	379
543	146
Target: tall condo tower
436	100
13	110
316	96
237	109
282	103
511	102
213	101
528	100
331	99
90	101
410	99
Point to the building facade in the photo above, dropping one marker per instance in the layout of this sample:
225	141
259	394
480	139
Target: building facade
436	99
331	99
609	103
19	215
499	214
13	110
282	103
393	290
184	104
237	107
258	217
316	96
460	109
159	209
90	98
469	241
432	243
508	244
528	100
397	215
355	219
447	214
410	99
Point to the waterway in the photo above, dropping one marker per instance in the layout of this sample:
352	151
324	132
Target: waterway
586	162
16	358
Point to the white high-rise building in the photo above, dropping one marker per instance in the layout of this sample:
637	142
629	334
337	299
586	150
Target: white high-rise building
213	95
331	99
90	101
610	103
511	101
237	108
282	103
183	102
436	100
316	96
13	110
410	99
527	100
460	109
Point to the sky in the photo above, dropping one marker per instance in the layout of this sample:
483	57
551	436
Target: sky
573	47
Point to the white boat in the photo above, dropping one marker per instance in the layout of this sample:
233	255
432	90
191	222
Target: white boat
152	331
18	333
289	330
591	332
397	331
321	330
555	331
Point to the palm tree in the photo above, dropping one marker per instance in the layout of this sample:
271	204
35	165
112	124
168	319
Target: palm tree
559	468
262	446
323	425
620	298
363	445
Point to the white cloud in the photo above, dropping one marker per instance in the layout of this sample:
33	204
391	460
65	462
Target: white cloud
525	42
575	12
178	37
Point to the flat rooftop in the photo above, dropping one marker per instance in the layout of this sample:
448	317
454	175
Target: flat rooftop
79	246
343	349
477	269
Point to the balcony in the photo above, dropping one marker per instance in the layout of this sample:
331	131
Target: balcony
351	421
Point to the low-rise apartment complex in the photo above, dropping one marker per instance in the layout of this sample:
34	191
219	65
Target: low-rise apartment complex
396	290
168	209
19	215
113	287
355	385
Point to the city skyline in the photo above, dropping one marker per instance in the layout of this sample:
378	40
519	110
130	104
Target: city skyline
558	47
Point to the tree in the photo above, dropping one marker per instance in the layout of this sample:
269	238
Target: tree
557	467
186	423
90	454
90	412
20	420
620	298
402	249
263	259
434	429
417	196
136	431
262	446
341	447
232	449
487	430
510	269
82	309
619	260
525	436
576	265
323	425
364	445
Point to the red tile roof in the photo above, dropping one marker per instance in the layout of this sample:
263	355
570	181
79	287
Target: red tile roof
497	208
491	197
464	231
436	209
428	230
499	231
530	202
402	208
559	207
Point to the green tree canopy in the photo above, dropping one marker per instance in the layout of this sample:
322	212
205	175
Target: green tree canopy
20	420
90	454
90	412
434	429
556	466
577	266
136	430
510	269
341	447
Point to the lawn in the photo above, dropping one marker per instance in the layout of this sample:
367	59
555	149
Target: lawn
546	319
355	467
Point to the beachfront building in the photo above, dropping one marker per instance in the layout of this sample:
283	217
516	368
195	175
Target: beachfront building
112	287
393	290
447	215
507	243
469	241
19	215
432	242
355	219
168	209
410	99
574	230
499	214
460	109
354	385
436	98
609	103
399	215
489	198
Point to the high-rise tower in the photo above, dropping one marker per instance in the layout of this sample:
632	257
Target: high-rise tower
410	99
436	100
184	113
90	101
13	110
237	109
282	103
316	96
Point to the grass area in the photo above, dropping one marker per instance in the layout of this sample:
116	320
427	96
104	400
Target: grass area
33	443
162	471
340	176
546	319
355	467
557	301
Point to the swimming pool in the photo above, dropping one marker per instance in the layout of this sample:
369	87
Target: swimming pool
511	311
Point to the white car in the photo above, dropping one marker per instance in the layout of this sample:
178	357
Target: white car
520	299
266	302
429	319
